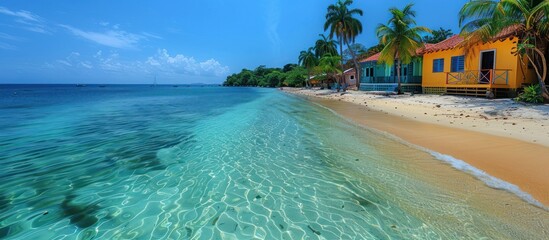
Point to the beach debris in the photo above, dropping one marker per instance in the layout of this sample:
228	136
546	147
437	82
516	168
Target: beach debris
314	231
438	105
189	231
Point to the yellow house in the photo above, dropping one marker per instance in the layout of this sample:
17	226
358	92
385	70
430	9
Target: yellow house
488	69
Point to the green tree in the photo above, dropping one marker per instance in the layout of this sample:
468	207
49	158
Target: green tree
325	45
275	78
342	23
308	60
246	78
438	35
400	38
296	77
357	48
371	51
289	67
482	20
329	65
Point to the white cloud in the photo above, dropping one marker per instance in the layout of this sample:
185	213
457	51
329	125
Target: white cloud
26	15
8	37
162	64
273	20
150	35
26	19
86	64
7	46
64	62
72	60
180	64
110	38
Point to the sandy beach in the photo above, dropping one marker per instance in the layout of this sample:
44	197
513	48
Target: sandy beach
507	140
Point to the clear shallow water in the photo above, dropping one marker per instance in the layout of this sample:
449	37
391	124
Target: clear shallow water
137	162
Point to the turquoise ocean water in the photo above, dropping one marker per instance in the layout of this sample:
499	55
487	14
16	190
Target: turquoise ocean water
140	162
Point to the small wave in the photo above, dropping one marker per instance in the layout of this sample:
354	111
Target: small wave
489	180
458	164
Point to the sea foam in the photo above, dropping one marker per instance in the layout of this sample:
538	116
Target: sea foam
458	164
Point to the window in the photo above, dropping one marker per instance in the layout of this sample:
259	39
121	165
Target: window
457	64
438	65
371	72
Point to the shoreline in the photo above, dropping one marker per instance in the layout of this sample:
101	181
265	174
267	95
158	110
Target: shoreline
509	154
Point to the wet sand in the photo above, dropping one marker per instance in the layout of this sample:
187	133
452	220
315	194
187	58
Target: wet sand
518	162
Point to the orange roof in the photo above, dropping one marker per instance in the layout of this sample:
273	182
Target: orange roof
371	58
456	40
449	43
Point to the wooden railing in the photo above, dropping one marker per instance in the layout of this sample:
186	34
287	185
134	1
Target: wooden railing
485	76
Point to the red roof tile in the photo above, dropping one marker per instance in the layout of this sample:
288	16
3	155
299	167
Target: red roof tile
449	43
374	57
456	40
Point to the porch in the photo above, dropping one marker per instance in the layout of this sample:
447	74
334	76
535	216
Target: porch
478	83
479	78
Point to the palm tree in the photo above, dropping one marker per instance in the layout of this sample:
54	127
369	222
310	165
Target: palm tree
400	38
329	65
308	60
325	45
438	36
342	23
482	20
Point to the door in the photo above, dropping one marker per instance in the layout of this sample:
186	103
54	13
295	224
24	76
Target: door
487	64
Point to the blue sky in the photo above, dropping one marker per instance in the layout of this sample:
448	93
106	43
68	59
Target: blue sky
203	41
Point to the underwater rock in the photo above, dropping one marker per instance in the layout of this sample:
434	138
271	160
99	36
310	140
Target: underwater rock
81	216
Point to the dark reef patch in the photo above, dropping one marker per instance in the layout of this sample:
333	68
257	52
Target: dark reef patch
80	215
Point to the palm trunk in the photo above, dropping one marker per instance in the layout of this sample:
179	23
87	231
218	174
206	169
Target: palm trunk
541	75
357	67
398	77
341	59
308	78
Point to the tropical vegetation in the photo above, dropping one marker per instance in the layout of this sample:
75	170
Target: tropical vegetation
482	20
341	22
531	94
308	60
290	75
325	45
437	36
400	38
